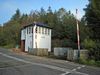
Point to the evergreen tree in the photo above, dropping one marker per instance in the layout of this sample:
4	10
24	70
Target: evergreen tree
17	15
62	22
92	17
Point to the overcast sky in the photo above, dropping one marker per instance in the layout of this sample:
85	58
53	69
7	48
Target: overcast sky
8	7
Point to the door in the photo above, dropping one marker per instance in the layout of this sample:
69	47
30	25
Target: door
23	45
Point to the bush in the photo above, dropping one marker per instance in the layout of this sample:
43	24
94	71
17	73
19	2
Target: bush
97	63
90	62
94	48
89	43
9	46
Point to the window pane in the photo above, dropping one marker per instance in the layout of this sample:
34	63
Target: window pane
48	32
27	30
36	30
45	30
32	29
42	30
39	30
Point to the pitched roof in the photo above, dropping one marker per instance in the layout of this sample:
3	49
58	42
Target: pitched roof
37	24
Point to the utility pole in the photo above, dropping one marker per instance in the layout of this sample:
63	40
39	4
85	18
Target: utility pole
78	36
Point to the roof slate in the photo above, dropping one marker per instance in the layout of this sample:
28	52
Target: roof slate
37	24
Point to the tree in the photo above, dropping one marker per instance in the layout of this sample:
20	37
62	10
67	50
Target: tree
10	34
11	31
2	40
24	19
92	17
49	10
17	15
42	16
62	22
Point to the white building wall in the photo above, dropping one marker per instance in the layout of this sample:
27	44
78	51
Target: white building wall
43	40
50	41
26	40
23	34
29	40
36	40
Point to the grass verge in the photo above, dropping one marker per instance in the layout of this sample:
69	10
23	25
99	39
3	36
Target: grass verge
89	62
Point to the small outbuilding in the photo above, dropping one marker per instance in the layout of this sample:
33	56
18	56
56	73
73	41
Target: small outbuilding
35	35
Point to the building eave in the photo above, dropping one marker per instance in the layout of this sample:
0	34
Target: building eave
37	24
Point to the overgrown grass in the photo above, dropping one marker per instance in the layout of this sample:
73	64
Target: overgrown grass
8	46
90	62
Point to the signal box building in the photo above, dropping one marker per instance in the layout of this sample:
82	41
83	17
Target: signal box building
36	35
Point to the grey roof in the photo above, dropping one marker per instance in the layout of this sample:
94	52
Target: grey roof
37	24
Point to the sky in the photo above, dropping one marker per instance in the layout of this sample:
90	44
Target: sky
8	7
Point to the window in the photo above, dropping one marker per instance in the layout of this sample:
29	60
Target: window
32	29
42	30
48	31
24	32
27	30
39	29
36	30
45	30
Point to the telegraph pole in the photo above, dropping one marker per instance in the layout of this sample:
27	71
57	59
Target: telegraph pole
78	36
